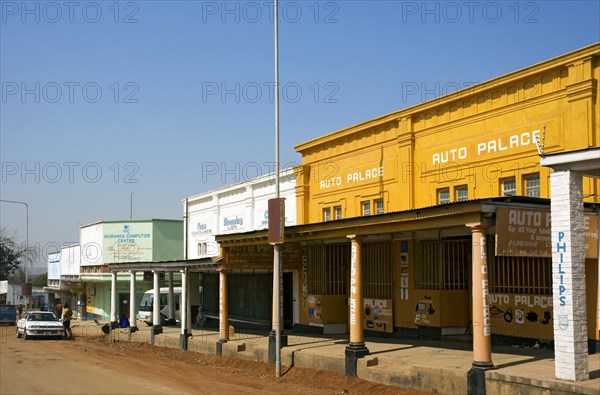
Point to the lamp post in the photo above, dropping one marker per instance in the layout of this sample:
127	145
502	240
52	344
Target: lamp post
26	234
277	250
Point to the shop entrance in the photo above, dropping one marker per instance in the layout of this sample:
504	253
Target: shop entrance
124	305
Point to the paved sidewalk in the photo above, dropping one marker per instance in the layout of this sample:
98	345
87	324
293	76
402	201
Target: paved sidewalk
438	366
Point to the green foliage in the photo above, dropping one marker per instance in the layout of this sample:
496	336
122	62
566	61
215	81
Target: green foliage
40	281
10	257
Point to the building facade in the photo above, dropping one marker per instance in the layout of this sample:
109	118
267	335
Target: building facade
238	208
108	242
442	211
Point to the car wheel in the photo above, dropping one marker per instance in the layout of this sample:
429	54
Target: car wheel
18	334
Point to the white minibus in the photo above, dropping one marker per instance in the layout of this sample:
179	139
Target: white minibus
147	303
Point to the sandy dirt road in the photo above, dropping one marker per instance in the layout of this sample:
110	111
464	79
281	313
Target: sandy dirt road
91	365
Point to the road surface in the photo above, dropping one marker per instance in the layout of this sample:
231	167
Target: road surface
92	365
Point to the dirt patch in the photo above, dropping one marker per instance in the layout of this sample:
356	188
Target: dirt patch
96	366
243	372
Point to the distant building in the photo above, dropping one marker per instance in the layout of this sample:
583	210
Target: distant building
108	242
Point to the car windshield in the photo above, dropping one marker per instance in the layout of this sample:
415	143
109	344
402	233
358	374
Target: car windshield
41	317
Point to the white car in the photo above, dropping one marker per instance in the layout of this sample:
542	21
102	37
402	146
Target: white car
39	324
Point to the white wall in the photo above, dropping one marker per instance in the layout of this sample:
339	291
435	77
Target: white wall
237	208
90	240
70	258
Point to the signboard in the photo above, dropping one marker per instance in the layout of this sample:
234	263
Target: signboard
526	232
522	315
276	220
54	266
126	242
261	256
378	315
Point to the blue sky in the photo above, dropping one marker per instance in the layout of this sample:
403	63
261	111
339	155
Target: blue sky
167	99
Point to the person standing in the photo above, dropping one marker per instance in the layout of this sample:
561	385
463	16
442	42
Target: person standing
58	308
67	313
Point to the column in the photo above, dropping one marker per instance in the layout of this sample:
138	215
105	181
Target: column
482	333
223	311
132	321
356	349
480	302
113	297
183	338
156	327
568	277
171	301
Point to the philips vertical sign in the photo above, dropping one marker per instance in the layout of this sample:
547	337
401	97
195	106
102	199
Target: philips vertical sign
561	249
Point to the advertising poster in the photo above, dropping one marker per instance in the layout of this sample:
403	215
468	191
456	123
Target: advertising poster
378	315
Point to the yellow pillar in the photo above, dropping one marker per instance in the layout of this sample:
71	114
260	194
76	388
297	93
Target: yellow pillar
482	332
356	349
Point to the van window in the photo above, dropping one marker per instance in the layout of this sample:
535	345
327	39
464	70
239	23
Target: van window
147	302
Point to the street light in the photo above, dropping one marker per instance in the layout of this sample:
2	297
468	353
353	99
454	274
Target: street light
26	234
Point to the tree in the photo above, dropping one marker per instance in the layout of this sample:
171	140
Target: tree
41	280
10	257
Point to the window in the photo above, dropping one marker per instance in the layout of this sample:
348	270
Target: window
532	185
327	214
378	271
337	212
201	249
366	207
378	206
327	269
462	193
519	274
509	187
443	196
444	264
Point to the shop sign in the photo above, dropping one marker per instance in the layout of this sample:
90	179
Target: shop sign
201	229
123	242
360	176
526	232
486	147
261	255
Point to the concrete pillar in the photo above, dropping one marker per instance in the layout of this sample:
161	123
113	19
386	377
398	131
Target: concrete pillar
480	299
356	348
183	338
113	297
480	302
132	321
156	327
568	277
171	318
223	311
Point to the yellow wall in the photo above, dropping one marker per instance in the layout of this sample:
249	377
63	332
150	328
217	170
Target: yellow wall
474	137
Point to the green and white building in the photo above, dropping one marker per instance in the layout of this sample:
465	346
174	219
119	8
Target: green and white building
106	242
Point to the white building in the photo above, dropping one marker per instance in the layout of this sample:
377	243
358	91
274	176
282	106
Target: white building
64	283
241	207
236	208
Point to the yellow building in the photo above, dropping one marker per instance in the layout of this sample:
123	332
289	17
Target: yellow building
420	197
